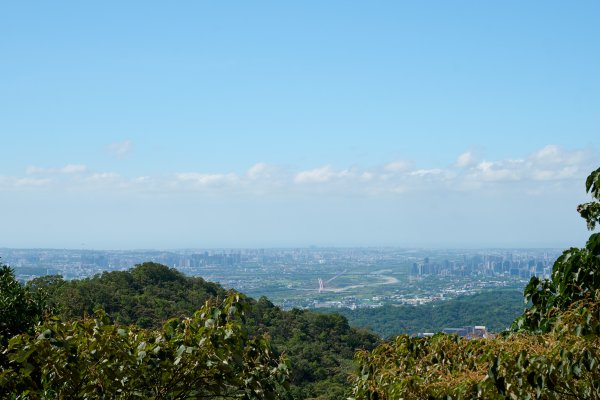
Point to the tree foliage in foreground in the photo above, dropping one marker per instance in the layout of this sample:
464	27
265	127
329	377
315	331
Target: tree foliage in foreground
319	348
20	308
209	355
555	365
552	353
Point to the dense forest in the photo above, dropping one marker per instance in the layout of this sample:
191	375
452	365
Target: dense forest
209	354
318	348
152	332
495	309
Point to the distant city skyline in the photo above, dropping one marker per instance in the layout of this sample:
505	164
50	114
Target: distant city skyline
438	125
314	277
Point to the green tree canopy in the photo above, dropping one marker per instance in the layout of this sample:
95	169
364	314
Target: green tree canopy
20	307
209	355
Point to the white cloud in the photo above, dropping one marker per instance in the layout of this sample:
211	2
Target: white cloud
466	159
31	182
561	173
265	173
320	175
67	169
201	179
11	182
367	176
142	179
73	168
548	152
32	169
398	166
103	177
548	164
555	155
121	149
489	171
427	172
257	170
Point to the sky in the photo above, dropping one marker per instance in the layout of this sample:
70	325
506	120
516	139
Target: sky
288	124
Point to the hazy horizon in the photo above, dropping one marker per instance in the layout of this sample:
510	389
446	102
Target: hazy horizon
438	125
282	248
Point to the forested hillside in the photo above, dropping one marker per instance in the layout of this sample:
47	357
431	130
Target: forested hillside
494	309
319	348
146	295
208	355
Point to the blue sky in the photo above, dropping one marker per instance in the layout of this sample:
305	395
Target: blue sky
154	125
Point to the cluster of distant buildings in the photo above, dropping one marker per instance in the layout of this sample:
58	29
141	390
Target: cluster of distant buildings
521	266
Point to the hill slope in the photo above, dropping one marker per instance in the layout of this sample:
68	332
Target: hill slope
320	347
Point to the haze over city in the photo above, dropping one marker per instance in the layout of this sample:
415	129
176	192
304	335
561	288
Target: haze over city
200	125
